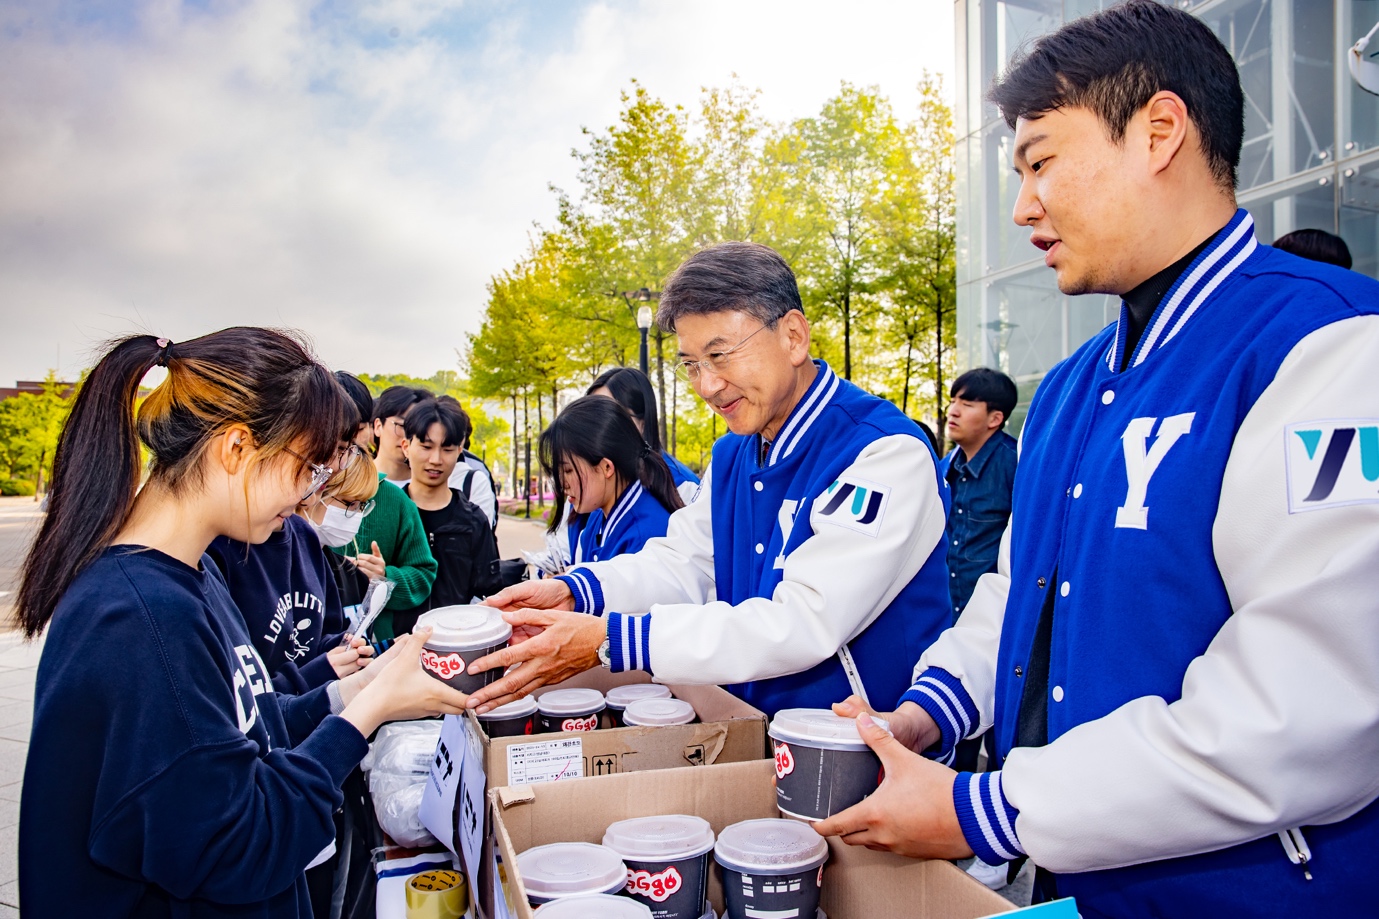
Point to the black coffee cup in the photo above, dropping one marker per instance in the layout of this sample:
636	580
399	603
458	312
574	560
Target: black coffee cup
568	710
511	720
823	765
459	636
570	869
619	697
667	860
770	868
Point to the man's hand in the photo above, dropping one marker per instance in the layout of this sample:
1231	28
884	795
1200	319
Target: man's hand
910	724
547	593
371	566
911	813
558	645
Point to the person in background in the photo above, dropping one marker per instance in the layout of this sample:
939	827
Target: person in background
389	415
631	389
285	588
457	532
619	490
362	430
165	777
980	472
475	481
1317	245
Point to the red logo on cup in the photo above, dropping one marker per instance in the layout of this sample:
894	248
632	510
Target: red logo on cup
580	724
658	887
444	666
785	760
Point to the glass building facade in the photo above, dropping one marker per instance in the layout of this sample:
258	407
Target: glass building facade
1310	159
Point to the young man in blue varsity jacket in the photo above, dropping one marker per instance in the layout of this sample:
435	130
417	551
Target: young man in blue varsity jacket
812	559
1179	652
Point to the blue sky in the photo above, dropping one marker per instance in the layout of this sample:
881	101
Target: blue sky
354	169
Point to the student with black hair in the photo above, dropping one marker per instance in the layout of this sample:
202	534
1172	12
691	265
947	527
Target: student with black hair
164	774
631	389
389	417
458	533
362	430
619	489
1316	245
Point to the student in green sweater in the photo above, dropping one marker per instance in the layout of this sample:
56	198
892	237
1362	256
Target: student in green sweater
393	531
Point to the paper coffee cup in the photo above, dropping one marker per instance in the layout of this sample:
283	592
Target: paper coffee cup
652	712
511	720
568	710
823	765
597	906
461	634
667	860
570	869
619	697
770	868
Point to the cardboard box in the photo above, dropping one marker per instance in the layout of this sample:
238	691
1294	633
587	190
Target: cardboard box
730	731
858	883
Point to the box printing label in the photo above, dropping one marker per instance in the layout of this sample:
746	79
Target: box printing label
549	761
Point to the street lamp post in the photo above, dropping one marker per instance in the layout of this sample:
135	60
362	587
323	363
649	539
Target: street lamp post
644	325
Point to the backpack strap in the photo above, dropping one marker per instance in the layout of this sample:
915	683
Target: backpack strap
467	483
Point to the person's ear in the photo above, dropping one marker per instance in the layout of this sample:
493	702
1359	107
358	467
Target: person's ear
796	329
994	420
233	449
1165	125
607	469
378	428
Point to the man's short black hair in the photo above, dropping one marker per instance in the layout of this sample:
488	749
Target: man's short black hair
1317	245
396	400
746	277
983	384
359	398
1113	62
444	411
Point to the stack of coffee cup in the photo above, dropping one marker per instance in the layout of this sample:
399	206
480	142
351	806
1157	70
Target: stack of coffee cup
619	697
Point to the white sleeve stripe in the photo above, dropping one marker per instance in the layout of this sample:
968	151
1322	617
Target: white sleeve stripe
943	707
979	809
957	704
998	806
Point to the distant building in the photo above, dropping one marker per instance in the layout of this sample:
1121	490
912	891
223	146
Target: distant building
33	388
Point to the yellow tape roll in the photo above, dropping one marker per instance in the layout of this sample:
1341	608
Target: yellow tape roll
437	895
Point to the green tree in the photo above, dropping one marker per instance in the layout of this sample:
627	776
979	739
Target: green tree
29	428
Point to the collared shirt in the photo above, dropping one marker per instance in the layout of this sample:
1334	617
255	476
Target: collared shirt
981	488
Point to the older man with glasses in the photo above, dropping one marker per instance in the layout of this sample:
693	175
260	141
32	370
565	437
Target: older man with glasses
812	563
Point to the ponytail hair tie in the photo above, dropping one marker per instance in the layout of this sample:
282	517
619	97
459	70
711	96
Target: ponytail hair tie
646	450
164	351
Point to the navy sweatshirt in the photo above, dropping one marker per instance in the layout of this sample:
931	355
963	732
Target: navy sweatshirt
286	591
165	777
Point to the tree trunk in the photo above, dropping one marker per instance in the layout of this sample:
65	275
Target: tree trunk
674	410
938	369
847	333
905	388
661	383
515	442
540	426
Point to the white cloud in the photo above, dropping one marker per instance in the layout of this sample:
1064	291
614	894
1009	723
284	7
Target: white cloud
267	163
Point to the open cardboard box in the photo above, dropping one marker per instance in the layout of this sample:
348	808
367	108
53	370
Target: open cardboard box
729	731
858	883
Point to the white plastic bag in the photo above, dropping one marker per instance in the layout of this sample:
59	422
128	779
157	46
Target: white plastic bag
398	764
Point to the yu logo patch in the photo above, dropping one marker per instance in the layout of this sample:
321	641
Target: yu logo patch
1332	464
856	505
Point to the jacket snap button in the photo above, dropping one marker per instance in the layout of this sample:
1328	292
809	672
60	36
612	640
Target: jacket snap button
1019	671
1042	582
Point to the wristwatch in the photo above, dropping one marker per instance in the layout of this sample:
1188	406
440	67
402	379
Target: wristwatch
604	658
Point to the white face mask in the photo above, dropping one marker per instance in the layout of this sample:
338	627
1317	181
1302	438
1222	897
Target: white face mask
335	529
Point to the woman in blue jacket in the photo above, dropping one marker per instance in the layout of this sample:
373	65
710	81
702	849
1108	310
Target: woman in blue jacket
619	490
165	777
630	388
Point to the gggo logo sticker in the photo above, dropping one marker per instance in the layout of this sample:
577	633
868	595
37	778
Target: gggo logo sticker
580	724
785	760
444	666
658	887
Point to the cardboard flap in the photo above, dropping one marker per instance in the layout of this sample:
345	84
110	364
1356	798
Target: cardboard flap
512	795
709	738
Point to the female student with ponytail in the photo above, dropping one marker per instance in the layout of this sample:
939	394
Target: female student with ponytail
631	389
165	777
619	489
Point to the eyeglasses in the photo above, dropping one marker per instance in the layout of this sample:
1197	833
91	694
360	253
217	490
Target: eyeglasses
399	427
716	361
359	508
347	457
320	472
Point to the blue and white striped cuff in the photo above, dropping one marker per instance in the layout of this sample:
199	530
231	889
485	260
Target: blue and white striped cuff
941	694
986	817
629	642
587	591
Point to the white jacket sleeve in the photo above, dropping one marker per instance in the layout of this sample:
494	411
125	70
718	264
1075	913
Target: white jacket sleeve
833	584
1278	724
675	568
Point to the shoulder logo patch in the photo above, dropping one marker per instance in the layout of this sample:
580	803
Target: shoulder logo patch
1332	463
855	504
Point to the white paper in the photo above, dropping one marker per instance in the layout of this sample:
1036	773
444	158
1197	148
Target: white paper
471	804
546	761
437	809
500	900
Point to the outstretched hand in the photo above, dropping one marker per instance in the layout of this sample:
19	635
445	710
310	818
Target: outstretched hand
555	645
547	593
911	813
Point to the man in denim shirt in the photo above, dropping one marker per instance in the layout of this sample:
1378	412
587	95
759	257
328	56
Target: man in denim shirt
980	470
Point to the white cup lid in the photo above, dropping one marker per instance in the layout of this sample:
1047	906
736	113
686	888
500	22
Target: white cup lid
596	906
770	846
647	712
669	837
816	727
471	627
565	869
622	696
518	709
570	702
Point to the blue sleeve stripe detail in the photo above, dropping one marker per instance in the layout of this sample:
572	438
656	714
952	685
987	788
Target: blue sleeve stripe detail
586	590
629	642
942	695
576	591
952	688
986	817
927	699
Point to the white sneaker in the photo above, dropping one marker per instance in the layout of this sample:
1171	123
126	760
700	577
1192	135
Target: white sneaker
993	876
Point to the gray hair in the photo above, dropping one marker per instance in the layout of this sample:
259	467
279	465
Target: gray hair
740	276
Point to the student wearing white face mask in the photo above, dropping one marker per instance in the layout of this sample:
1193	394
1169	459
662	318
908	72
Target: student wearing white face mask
286	589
